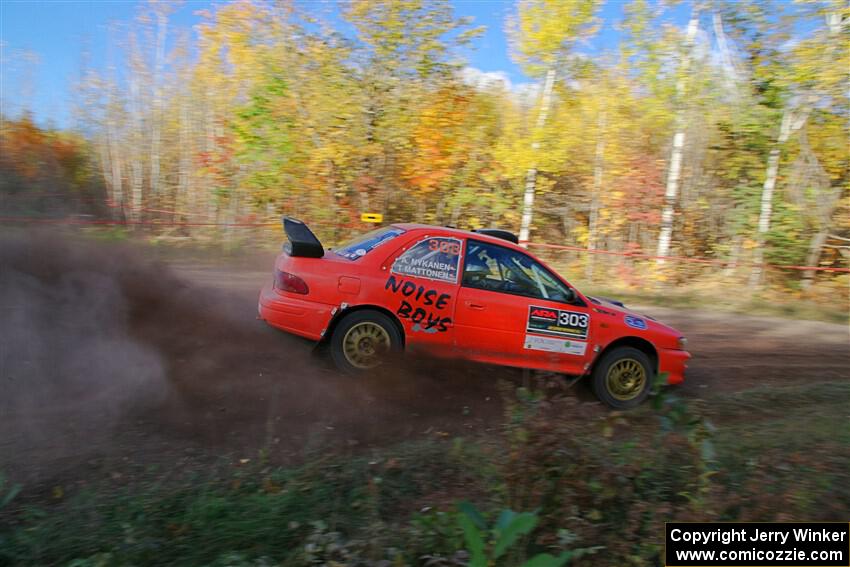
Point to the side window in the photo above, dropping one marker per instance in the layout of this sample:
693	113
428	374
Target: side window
499	269
434	258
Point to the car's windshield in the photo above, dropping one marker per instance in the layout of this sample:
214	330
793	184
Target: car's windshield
361	245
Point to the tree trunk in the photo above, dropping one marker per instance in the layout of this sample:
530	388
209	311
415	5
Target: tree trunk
675	169
205	197
730	268
105	171
813	257
598	170
156	120
114	152
115	165
730	74
456	210
185	154
788	124
133	149
231	216
531	175
765	214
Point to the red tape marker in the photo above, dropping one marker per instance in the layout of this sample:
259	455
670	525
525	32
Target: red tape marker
685	259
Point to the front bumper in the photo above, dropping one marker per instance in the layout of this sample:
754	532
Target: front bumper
674	363
294	315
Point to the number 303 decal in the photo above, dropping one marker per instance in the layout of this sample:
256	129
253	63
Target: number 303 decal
446	247
579	320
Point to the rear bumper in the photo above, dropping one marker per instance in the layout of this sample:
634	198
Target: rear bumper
673	362
294	315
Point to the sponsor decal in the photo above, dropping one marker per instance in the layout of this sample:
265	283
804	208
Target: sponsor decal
605	311
635	322
551	344
557	322
436	258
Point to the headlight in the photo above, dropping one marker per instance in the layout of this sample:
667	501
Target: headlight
683	343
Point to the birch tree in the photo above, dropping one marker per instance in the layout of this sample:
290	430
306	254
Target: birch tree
160	10
791	120
135	138
405	49
809	185
674	169
544	33
821	173
817	78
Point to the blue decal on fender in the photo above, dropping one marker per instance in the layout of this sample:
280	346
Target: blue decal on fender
635	322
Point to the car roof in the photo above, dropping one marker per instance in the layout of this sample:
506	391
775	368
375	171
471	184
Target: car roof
460	233
410	226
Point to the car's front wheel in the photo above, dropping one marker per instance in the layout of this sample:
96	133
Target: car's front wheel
363	340
623	377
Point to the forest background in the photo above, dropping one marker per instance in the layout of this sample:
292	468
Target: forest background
719	137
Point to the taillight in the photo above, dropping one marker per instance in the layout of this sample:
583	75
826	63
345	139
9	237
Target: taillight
285	281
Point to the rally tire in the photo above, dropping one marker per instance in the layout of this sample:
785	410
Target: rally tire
623	378
363	340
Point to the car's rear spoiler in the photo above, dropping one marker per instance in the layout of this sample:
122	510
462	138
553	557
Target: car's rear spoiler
302	241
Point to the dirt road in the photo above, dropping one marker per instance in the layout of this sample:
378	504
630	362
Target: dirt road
113	365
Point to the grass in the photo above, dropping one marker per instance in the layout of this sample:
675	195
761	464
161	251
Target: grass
255	511
396	503
811	419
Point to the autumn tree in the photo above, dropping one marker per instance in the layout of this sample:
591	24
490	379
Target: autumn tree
545	33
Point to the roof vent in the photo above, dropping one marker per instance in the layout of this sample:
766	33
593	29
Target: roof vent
498	233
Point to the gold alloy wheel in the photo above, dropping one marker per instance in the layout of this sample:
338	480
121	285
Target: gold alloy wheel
364	344
626	379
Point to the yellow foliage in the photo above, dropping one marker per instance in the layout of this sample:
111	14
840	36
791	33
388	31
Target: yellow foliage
544	30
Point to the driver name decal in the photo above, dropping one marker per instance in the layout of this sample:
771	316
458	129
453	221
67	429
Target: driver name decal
435	258
557	322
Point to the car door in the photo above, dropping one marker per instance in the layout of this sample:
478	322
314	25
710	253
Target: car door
511	310
421	289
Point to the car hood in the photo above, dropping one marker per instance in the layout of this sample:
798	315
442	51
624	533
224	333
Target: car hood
615	306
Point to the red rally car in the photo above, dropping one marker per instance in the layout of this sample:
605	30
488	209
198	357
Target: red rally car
474	295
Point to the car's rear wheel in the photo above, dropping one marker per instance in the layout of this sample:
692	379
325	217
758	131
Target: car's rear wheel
363	340
623	377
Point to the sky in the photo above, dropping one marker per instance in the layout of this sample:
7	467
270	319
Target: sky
43	44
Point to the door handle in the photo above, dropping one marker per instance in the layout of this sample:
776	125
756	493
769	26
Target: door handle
473	305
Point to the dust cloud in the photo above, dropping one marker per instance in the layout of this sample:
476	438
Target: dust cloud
69	365
110	359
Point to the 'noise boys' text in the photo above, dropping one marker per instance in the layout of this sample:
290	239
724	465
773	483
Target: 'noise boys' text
428	319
